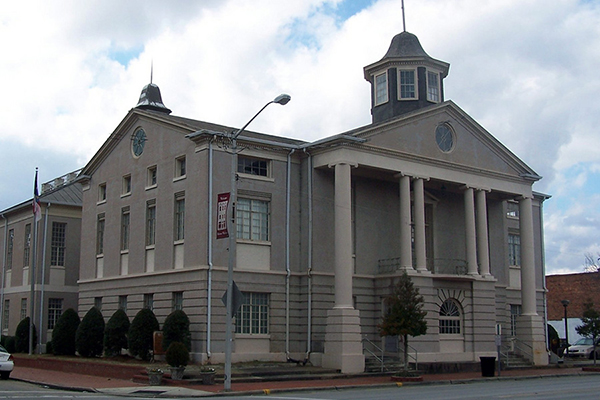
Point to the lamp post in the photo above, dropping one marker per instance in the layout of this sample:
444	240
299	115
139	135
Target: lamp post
565	304
282	99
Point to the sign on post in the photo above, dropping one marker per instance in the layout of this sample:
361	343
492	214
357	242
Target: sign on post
237	299
222	204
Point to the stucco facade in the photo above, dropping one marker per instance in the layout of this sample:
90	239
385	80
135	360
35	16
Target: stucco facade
323	228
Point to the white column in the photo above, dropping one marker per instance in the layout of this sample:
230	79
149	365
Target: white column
470	232
483	250
528	292
343	236
405	228
419	210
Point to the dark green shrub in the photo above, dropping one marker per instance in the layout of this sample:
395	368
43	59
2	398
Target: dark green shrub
3	340
177	355
177	329
22	337
49	347
63	334
10	344
90	334
141	333
115	333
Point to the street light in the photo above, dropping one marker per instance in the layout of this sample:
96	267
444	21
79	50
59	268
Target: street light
282	99
565	304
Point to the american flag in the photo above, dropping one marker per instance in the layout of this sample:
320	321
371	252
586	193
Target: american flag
37	210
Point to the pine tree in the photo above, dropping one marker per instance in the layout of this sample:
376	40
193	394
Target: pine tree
590	326
405	314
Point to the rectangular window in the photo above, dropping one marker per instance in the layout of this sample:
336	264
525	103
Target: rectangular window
512	209
253	166
180	167
10	247
177	301
179	217
125	229
6	316
23	309
27	245
151	223
57	251
149	301
252	218
151	178
101	192
433	87
449	326
253	315
98	303
407	84
100	234
381	89
55	307
123	303
514	250
126	185
515	311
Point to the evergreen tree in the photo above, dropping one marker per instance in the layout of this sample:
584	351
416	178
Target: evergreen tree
115	333
141	333
590	326
177	329
90	334
63	334
22	337
405	314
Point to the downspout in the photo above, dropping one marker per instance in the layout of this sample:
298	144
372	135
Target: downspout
210	256
43	278
287	254
3	271
309	258
544	273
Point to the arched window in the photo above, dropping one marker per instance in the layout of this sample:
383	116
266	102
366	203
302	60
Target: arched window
450	317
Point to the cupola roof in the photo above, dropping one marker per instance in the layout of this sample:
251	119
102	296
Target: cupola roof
150	99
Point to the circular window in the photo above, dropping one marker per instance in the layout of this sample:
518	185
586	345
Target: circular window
444	137
138	140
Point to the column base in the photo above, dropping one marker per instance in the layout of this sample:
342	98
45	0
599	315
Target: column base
343	341
530	329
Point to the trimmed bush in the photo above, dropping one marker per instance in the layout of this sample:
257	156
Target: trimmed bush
63	334
115	333
22	337
177	355
90	334
141	333
10	345
49	347
177	329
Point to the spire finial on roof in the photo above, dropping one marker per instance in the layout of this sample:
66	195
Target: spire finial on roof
403	19
151	70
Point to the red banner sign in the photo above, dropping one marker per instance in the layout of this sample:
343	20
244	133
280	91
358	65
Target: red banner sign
222	204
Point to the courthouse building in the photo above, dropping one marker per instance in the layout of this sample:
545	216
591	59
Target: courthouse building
323	228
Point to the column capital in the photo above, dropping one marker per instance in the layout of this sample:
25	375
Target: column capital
352	164
476	188
411	175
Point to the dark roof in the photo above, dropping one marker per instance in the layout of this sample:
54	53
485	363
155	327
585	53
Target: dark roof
150	99
405	45
69	194
577	288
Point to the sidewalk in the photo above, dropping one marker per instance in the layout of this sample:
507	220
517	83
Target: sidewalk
79	382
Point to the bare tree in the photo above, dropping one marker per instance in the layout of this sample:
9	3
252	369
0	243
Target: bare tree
592	262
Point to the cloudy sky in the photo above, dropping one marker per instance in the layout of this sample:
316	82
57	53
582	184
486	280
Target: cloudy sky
527	70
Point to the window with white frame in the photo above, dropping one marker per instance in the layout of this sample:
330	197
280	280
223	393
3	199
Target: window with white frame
10	248
126	185
123	302
252	216
381	88
179	220
180	167
23	309
449	318
407	84
177	301
253	316
151	176
512	209
57	250
151	223
55	307
149	301
253	166
125	219
27	245
101	192
6	312
98	303
514	249
515	311
100	234
433	87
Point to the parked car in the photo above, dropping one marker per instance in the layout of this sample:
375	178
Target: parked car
584	347
6	363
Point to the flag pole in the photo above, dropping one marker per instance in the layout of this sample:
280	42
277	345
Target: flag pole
37	215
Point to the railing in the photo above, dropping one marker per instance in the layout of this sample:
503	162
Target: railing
512	345
365	342
415	358
379	354
448	266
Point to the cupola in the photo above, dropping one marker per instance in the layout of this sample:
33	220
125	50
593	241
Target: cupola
150	99
405	79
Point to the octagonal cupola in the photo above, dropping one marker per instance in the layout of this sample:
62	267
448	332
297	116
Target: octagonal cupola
405	79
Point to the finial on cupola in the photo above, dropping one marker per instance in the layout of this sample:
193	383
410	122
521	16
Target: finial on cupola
150	98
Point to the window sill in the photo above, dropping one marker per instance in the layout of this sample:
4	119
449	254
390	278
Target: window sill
178	242
179	178
126	195
256	177
254	242
151	187
253	336
101	202
151	247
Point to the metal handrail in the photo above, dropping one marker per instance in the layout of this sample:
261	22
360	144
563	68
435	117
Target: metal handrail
380	359
415	358
515	345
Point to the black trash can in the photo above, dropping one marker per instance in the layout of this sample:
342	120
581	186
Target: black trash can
488	366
